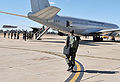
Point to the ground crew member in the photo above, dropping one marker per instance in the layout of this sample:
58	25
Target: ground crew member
72	43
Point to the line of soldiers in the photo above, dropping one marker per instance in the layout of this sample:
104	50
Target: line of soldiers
16	35
12	34
28	35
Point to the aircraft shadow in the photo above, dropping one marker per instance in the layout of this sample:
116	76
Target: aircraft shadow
82	42
96	71
49	41
54	38
54	41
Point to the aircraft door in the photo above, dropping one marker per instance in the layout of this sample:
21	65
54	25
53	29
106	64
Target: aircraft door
68	23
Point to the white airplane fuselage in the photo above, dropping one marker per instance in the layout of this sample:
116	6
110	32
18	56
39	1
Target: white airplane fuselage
80	26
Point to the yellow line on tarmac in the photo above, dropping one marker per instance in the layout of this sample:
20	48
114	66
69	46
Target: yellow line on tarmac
77	74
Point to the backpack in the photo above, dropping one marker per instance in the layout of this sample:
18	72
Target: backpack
73	42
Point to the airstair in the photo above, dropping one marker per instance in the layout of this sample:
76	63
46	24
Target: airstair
41	34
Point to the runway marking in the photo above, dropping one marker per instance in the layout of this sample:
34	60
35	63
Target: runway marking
73	75
58	54
99	57
76	76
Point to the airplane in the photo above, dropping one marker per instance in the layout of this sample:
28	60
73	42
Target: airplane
46	15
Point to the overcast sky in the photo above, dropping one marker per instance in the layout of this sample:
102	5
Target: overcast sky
99	10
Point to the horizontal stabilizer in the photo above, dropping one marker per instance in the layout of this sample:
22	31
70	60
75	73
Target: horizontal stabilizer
46	13
13	14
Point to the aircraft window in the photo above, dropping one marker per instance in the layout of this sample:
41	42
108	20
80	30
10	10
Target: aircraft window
56	20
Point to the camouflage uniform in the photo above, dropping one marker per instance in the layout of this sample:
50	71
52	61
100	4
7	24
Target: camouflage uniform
70	58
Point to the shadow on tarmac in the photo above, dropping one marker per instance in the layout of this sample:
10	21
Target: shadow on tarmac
54	38
96	71
49	41
82	42
92	43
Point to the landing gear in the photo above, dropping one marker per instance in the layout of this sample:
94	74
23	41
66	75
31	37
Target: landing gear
97	38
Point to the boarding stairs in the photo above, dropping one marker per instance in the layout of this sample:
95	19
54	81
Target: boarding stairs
41	34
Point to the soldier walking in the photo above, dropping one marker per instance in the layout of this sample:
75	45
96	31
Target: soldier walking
72	44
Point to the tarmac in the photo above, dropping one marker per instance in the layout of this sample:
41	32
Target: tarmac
43	61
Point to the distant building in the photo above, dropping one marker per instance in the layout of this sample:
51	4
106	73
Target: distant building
9	26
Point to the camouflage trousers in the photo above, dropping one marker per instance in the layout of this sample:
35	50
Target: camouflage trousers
70	59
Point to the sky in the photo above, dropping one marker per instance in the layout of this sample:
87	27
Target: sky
98	10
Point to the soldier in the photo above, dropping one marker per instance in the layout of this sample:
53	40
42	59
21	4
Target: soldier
27	35
36	35
43	28
24	35
11	34
18	35
8	34
32	35
72	44
4	34
15	35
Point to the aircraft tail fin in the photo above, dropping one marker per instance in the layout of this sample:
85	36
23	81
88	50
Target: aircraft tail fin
38	5
46	13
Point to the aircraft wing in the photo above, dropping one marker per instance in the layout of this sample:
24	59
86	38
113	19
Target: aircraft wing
100	31
14	14
111	32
